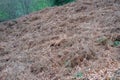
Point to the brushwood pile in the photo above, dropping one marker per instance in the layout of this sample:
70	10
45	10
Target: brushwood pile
76	41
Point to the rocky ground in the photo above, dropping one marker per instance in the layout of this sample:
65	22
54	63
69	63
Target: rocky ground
77	41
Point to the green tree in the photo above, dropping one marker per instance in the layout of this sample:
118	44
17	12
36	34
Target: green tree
61	2
11	9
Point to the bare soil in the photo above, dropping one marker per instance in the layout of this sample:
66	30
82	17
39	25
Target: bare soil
70	42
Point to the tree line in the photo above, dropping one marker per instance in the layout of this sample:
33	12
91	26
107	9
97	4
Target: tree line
10	9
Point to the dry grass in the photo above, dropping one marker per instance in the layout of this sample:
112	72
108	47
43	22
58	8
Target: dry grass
61	42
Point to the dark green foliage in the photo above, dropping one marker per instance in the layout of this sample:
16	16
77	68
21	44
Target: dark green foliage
11	9
61	2
116	43
79	75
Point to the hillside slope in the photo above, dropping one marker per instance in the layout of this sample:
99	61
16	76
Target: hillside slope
71	42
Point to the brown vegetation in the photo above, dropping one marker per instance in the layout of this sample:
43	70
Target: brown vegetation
58	43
